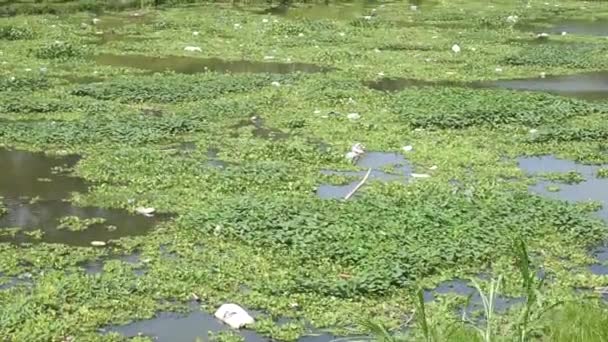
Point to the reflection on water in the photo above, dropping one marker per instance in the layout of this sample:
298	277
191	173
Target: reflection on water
590	86
35	191
370	160
323	10
591	189
192	65
464	288
570	26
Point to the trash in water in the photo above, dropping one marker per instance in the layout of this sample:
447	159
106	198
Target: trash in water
233	315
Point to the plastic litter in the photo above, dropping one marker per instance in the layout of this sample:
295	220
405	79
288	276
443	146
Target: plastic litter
233	315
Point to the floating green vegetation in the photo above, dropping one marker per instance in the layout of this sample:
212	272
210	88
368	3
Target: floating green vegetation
602	173
247	225
571	177
462	107
58	50
9	32
75	223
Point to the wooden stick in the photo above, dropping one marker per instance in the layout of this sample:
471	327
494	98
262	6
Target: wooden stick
350	194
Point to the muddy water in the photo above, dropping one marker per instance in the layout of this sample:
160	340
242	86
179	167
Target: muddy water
259	130
592	189
36	198
94	267
193	65
464	288
371	160
188	327
590	86
570	26
323	10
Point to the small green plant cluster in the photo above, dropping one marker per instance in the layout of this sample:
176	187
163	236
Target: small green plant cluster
178	88
571	177
461	108
22	82
602	173
22	104
570	134
575	56
75	223
10	32
58	50
126	130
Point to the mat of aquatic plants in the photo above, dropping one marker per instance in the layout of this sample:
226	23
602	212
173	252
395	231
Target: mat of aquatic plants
155	153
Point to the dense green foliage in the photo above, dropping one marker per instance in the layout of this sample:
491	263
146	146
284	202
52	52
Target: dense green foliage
236	158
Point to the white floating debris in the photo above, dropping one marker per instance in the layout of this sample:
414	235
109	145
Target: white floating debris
233	315
533	130
268	57
542	35
358	148
407	148
420	175
195	33
376	50
96	21
98	243
193	49
512	19
381	74
367	17
300	34
342	34
564	33
498	69
264	20
99	33
543	75
275	84
353	116
12	78
473	49
433	168
413	7
237	26
456	48
28	69
317	111
145	211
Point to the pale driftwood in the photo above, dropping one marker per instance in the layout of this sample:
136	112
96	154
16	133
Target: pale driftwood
350	194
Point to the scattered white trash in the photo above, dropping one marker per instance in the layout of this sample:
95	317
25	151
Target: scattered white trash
456	48
96	21
407	148
195	33
98	243
353	116
193	49
233	315
356	151
145	211
512	19
420	175
275	84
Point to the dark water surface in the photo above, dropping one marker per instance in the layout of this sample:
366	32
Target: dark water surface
193	65
36	194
